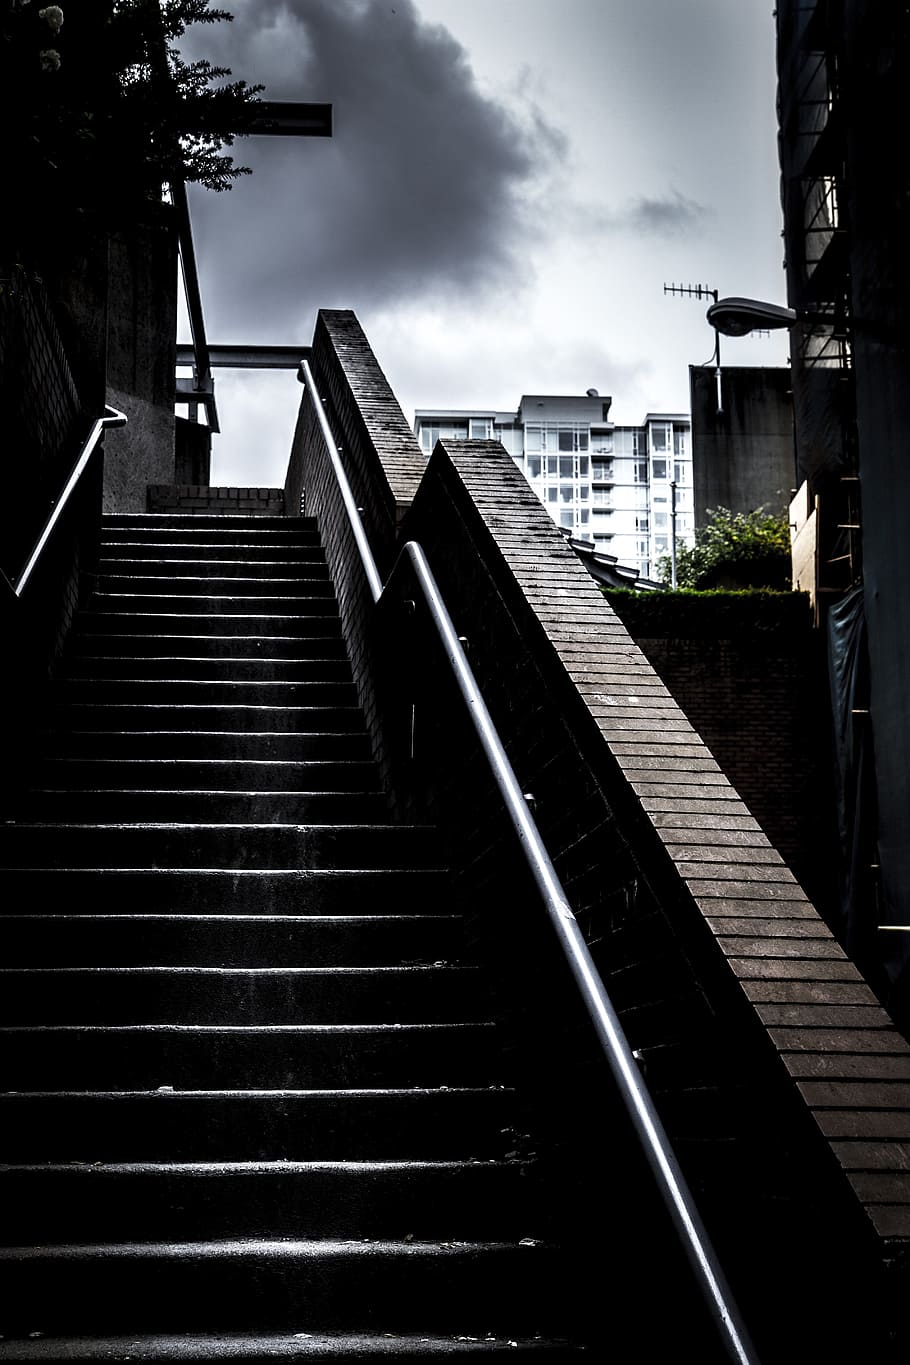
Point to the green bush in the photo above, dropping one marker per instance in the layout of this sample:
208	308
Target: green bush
735	550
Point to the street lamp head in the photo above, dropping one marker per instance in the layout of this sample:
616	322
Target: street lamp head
736	317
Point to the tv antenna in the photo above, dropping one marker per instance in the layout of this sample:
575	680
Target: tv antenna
703	291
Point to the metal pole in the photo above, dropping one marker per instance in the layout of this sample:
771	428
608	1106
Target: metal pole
673	534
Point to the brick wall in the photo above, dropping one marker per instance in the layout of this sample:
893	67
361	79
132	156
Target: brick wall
383	464
42	413
190	497
749	672
782	1081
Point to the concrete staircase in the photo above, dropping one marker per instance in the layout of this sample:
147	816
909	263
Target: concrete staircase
253	1104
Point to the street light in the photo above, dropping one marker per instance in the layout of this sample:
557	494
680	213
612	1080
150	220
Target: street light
737	317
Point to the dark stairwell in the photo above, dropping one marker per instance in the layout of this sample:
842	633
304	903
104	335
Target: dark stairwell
294	1066
255	1106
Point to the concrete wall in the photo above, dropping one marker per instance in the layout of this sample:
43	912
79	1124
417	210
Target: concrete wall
743	457
141	362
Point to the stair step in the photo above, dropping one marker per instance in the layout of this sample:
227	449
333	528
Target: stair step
406	1121
276	746
269	606
315	1347
473	1287
239	995
202	692
185	668
40	844
98	940
308	564
255	625
196	716
207	774
156	1200
143	586
195	522
251	891
220	650
204	806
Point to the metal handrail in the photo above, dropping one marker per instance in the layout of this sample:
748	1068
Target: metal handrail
638	1103
113	418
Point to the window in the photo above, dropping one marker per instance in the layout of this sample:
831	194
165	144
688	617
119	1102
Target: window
679	472
660	545
566	492
640	471
602	442
658	437
567	520
641	522
679	440
602	471
641	548
659	469
533	438
583	516
660	521
552	493
534	466
480	429
602	497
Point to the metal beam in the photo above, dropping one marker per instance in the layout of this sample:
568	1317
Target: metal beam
248	357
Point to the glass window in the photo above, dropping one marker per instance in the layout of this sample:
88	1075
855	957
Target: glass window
660	544
640	471
641	523
534	466
602	470
567	519
659	469
658	438
583	516
583	464
603	497
533	438
660	521
566	466
679	472
566	440
480	429
428	437
552	493
566	492
679	440
601	442
584	490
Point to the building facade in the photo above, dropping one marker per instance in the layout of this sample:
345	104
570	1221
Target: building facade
626	490
842	69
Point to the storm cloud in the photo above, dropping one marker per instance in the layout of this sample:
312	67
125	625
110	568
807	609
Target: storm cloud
426	189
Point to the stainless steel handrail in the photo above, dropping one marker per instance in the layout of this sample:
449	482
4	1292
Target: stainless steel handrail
113	418
638	1103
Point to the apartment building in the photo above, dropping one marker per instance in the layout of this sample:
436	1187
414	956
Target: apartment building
625	489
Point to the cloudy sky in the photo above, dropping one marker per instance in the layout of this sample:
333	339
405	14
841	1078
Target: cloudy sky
510	185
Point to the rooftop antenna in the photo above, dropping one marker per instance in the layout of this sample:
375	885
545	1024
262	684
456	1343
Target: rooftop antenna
703	291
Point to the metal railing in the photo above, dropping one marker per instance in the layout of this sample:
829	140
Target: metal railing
113	418
637	1101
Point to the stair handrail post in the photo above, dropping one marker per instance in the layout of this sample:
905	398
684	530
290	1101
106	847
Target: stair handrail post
671	1183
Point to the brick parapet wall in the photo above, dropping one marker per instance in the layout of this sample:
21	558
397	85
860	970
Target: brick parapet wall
383	460
383	464
200	498
781	1079
783	1083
